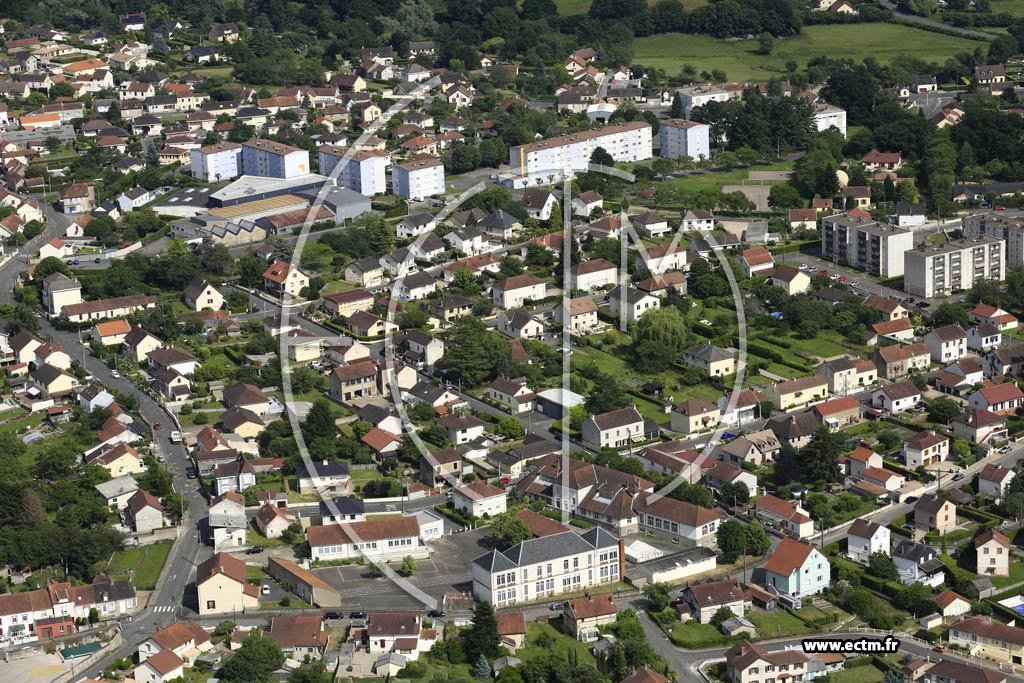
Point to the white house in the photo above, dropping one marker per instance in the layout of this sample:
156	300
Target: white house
896	397
418	179
864	538
797	569
479	499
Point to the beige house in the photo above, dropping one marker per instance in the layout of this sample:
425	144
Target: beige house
583	615
983	637
119	460
715	361
581	313
790	279
932	513
201	295
694	416
798	392
513	394
139	343
273	521
993	553
282	278
951	604
749	663
222	588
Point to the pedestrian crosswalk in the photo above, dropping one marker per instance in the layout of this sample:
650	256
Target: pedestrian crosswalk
164	608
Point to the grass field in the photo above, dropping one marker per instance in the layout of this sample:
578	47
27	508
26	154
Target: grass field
1014	7
699	636
740	62
776	624
719	179
561	646
146	561
860	674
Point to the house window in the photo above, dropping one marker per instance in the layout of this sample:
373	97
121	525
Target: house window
211	604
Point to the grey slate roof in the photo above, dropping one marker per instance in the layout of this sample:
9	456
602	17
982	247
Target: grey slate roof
546	548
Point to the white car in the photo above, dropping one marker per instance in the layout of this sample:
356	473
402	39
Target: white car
804	266
266	589
115	374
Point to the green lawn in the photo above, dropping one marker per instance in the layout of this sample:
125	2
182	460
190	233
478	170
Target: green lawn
696	636
1016	575
563	643
741	63
293	603
22	422
337	287
776	624
146	561
858	674
719	179
1014	7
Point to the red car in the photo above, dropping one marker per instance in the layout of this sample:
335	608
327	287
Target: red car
842	278
822	272
939	648
999	207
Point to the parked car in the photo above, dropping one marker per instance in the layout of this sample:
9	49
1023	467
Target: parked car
1004	449
265	590
556	607
191	473
357	614
436	613
115	374
99	260
332	616
254	550
999	207
958	476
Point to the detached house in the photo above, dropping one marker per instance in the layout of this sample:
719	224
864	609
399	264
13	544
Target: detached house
946	344
616	429
797	569
701	601
513	394
896	397
222	586
994	481
515	291
784	515
895	361
282	278
715	361
925	448
1000	399
992	548
979	426
986	314
918	563
932	513
865	538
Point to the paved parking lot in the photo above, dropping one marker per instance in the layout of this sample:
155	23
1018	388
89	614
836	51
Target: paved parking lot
446	571
39	668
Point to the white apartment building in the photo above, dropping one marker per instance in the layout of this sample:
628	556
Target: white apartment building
214	163
681	138
567	154
693	96
1010	229
940	269
269	159
828	116
866	244
548	566
362	171
419	178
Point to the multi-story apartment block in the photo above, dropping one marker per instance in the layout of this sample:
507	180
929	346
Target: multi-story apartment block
1010	229
548	566
269	159
941	269
362	171
217	162
866	244
693	96
418	179
567	154
682	138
